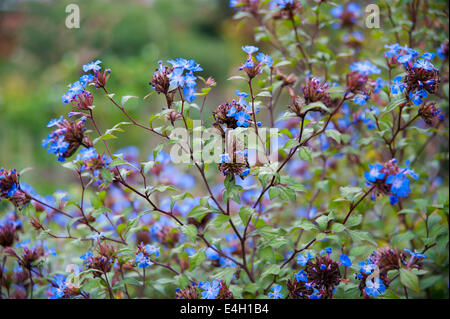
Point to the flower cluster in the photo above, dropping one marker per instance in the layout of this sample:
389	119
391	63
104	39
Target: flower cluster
245	5
318	278
236	164
10	188
253	65
431	114
61	288
358	80
93	162
143	254
30	256
68	136
8	232
285	9
77	94
182	76
390	180
237	113
422	77
216	289
347	14
102	262
373	273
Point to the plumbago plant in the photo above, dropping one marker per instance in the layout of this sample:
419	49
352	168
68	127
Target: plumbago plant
345	196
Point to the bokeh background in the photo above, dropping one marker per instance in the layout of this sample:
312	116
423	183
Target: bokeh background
39	57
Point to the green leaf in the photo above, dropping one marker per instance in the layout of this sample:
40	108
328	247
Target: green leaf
290	144
359	236
190	231
126	98
394	104
197	259
220	221
334	134
354	220
274	192
245	212
237	77
305	153
225	274
265	94
337	228
350	193
271	270
266	253
315	106
409	279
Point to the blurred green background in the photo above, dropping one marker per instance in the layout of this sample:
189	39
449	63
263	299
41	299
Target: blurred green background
39	57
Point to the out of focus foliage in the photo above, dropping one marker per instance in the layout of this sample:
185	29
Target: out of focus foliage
353	201
38	53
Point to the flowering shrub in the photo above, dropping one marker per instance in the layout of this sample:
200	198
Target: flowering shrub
324	177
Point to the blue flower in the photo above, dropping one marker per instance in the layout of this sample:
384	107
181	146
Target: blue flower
242	119
281	4
14	188
416	97
211	290
143	261
86	154
250	49
276	292
58	146
399	185
67	97
409	55
261	57
360	99
424	64
225	158
231	112
242	94
379	85
58	291
416	254
440	53
177	78
352	10
345	260
367	267
301	276
85	79
185	64
302	260
77	88
375	173
428	56
365	68
94	66
54	122
374	288
393	50
393	199
408	171
397	85
152	250
315	295
87	256
189	93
